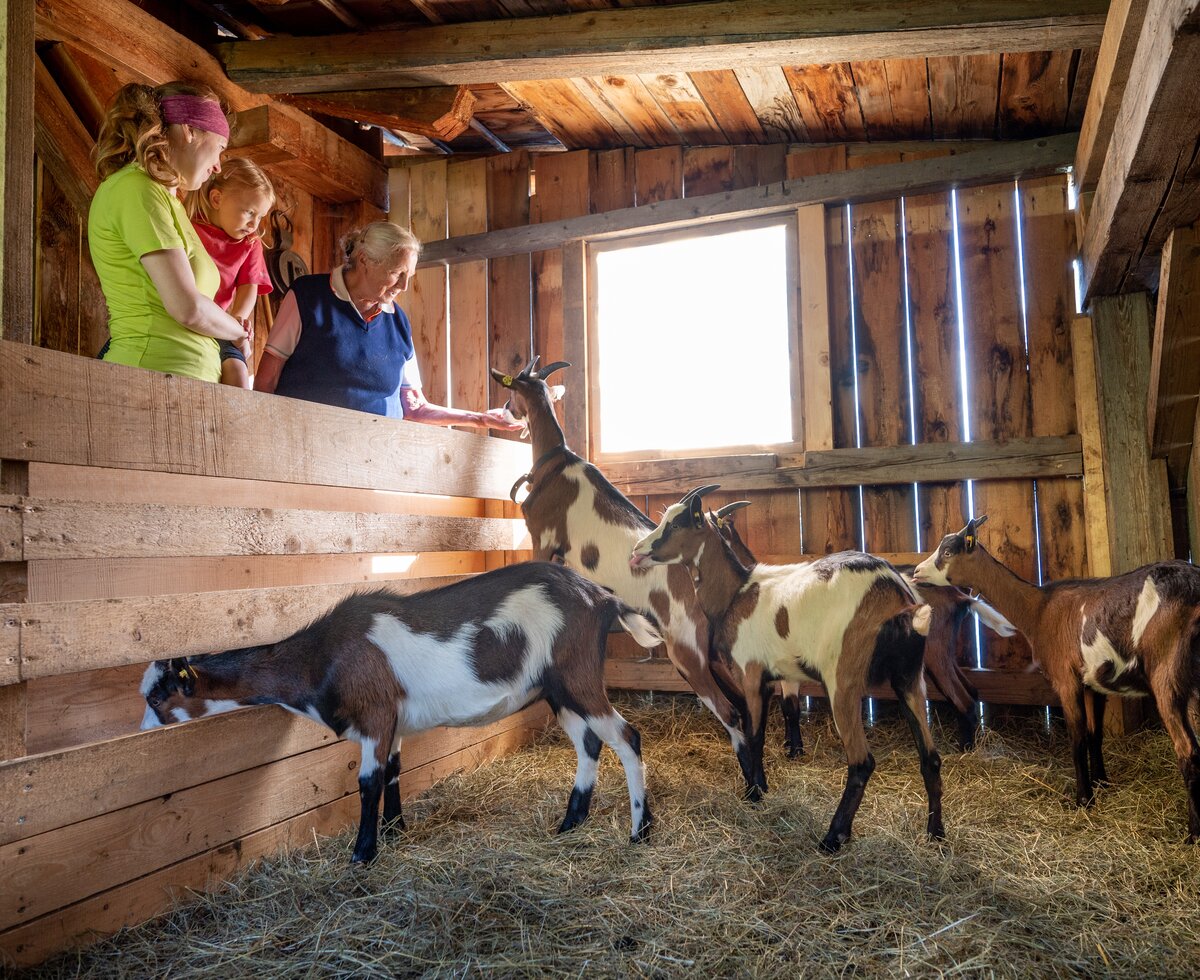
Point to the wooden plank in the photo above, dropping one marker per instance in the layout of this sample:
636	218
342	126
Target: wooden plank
980	166
57	580
66	409
62	142
565	112
697	36
17	121
933	315
963	96
66	529
1048	236
632	109
141	899
562	192
1174	389
659	177
997	381
814	328
65	637
611	181
683	104
56	789
754	166
729	106
1034	93
1081	84
119	33
466	199
770	95
1147	169
825	96
1122	27
1087	400
440	112
1193	491
995	686
882	369
575	414
14	703
707	170
426	304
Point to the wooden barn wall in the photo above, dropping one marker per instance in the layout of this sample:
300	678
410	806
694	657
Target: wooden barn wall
128	534
893	297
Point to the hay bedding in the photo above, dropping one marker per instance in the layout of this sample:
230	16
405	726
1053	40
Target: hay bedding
1025	884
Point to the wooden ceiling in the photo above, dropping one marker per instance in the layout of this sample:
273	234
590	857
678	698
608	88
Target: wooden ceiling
1002	94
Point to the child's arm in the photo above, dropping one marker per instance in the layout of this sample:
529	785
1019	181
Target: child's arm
244	298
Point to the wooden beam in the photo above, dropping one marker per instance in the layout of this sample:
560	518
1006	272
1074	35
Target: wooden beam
814	328
66	529
16	180
1174	389
575	342
991	163
442	112
63	143
118	32
1193	492
1087	406
931	462
654	40
1121	30
1150	182
994	686
76	410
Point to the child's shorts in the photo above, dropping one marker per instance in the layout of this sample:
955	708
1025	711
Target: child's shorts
229	350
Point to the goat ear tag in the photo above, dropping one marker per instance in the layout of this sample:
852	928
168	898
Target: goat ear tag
507	381
969	541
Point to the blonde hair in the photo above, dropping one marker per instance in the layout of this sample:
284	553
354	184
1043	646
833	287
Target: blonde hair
379	241
133	129
235	172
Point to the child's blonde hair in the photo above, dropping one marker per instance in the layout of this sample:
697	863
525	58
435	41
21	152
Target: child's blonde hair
133	129
235	172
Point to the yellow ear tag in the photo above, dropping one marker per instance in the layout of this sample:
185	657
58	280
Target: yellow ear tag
507	381
970	541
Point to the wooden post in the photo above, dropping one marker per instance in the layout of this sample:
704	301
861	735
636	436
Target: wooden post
1134	490
1193	492
16	184
14	480
814	328
575	343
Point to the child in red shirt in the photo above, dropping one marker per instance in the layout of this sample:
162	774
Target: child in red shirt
227	213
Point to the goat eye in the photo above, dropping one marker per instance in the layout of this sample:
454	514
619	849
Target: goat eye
947	553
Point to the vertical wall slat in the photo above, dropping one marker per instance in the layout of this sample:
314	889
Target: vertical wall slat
426	302
997	382
562	192
1048	235
510	310
466	198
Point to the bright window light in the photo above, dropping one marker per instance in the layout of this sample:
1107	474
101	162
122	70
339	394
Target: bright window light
693	342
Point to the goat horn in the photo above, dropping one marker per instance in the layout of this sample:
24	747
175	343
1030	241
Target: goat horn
549	369
732	508
528	369
700	492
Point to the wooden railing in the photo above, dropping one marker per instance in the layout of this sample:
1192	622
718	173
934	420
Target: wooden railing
145	516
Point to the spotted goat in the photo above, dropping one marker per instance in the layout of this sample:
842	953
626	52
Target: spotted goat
949	609
843	620
574	515
380	666
1132	634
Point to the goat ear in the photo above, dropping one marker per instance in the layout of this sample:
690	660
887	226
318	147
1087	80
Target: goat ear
185	675
557	392
505	380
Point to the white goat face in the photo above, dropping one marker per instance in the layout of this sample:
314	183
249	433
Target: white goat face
673	542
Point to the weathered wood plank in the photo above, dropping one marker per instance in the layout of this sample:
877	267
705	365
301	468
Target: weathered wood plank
963	96
1122	27
1148	168
1034	93
66	409
995	686
441	112
17	122
62	142
1049	456
1174	390
466	202
980	166
1087	401
814	328
729	106
575	415
426	304
825	96
65	637
770	95
562	192
691	37
683	104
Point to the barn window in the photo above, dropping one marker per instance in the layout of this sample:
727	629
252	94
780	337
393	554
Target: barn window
694	340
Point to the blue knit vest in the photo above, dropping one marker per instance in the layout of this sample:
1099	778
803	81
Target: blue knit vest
342	361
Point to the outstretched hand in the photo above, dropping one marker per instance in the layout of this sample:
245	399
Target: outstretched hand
502	419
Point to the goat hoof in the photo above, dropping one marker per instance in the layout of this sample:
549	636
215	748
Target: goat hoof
567	825
364	858
936	832
392	828
795	752
753	794
642	834
832	843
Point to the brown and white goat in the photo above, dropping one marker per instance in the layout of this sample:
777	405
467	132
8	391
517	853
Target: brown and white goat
1132	634
821	621
576	516
949	609
380	666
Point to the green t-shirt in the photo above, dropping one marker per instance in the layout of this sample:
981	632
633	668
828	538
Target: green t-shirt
130	216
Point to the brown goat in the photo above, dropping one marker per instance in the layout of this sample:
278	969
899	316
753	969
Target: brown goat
1132	634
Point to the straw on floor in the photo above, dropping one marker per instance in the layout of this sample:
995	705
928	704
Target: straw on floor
1024	885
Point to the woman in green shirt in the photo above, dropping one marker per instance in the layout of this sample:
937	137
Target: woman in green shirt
155	145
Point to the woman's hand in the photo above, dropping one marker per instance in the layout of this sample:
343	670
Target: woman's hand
502	419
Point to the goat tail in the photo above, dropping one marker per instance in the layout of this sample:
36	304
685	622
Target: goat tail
992	618
644	632
922	618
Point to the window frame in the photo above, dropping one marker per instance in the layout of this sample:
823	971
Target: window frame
786	220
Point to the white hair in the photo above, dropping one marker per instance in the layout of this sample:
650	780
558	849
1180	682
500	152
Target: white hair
380	241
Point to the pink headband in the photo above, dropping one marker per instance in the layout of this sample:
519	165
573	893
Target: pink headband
196	111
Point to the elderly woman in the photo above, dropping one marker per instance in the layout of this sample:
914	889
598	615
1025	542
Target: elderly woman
341	340
155	145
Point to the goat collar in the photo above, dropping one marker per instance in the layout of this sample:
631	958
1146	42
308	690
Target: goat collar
527	478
